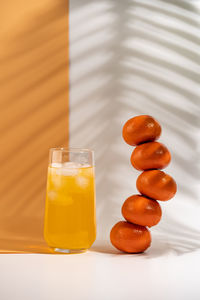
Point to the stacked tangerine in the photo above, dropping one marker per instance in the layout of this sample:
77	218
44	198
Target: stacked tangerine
143	210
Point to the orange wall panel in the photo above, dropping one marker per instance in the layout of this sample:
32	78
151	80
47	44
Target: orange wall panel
34	114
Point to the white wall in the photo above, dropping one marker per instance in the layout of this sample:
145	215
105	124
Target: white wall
130	58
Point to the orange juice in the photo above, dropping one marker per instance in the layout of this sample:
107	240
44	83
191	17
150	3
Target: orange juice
70	221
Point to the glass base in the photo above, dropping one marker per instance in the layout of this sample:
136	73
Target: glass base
68	251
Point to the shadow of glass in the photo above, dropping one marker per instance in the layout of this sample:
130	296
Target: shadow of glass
105	247
15	246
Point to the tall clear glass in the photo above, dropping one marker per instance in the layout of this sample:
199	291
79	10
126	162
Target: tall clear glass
70	216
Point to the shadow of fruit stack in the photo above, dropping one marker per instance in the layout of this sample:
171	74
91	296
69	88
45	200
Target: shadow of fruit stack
143	210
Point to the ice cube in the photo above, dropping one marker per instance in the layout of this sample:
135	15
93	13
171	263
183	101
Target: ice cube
85	166
55	171
82	181
70	168
89	172
56	165
71	165
52	195
69	172
66	169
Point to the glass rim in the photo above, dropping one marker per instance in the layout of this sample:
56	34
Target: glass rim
72	149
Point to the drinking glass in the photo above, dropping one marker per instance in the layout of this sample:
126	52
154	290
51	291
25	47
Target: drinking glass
70	216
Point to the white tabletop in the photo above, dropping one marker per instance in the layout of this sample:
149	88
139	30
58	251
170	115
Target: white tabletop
102	273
